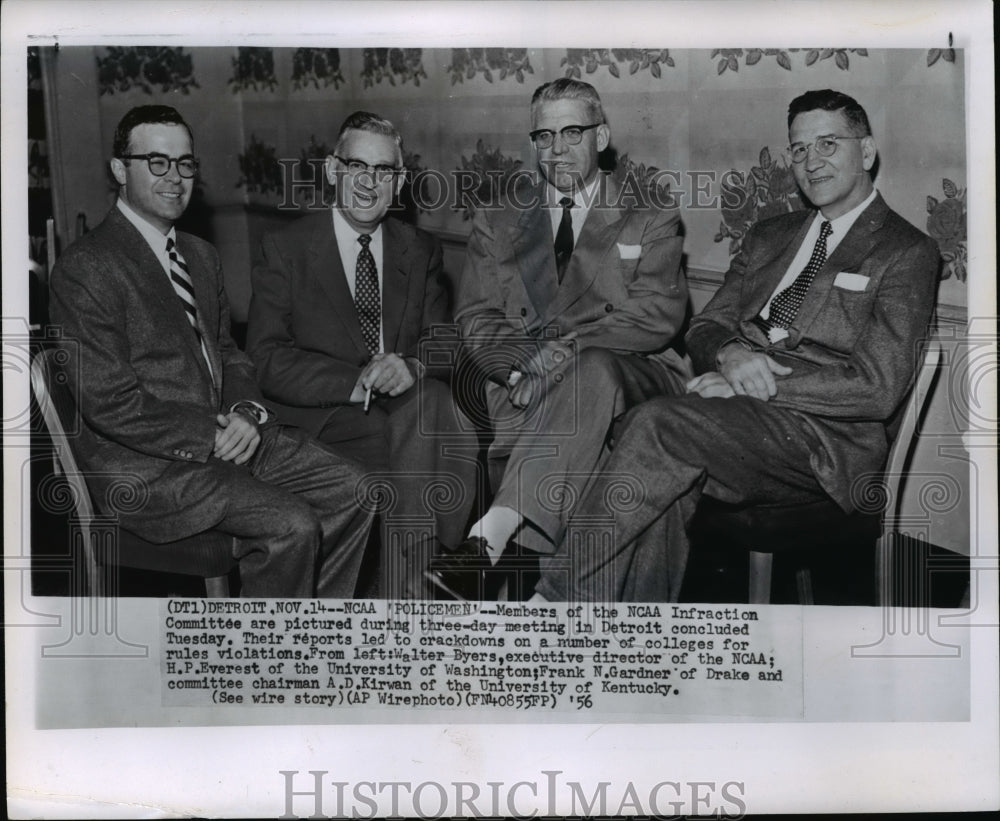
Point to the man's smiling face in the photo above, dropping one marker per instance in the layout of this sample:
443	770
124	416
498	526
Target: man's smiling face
837	183
158	200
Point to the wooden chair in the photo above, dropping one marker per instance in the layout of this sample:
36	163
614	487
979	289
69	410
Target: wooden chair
102	541
764	530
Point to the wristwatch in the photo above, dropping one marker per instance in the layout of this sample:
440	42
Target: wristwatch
249	408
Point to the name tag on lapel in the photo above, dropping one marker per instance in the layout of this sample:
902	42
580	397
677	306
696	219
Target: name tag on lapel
629	251
850	282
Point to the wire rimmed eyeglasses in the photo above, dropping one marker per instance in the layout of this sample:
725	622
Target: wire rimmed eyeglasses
825	146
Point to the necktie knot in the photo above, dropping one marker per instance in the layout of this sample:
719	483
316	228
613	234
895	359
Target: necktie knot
567	202
365	240
170	245
825	229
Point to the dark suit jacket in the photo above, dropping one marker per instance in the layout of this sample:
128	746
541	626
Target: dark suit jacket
304	334
623	288
854	344
146	396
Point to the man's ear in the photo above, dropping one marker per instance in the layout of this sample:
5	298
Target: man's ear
603	137
330	166
868	152
118	170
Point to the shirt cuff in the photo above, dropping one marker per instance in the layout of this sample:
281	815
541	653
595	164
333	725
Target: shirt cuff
254	410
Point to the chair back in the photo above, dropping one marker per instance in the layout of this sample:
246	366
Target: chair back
901	452
58	407
55	400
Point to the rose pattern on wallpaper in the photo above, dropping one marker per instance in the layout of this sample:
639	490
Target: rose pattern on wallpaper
260	172
313	66
466	63
638	59
767	190
312	159
629	172
253	68
493	168
389	63
730	57
145	67
946	223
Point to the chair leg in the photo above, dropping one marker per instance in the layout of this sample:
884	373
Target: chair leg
760	577
217	587
884	557
803	585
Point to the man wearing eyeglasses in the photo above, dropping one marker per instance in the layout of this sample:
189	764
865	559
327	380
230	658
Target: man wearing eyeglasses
349	327
570	300
167	399
805	356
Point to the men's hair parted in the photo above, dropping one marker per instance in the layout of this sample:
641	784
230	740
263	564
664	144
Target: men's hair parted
371	124
566	88
144	115
829	100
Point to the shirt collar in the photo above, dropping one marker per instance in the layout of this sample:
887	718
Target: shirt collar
581	198
342	228
155	238
842	224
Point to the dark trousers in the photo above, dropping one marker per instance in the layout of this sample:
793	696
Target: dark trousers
420	458
553	446
300	530
627	540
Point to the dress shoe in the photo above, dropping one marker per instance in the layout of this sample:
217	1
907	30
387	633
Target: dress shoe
460	572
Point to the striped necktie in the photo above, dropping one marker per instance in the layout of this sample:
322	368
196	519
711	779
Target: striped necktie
181	280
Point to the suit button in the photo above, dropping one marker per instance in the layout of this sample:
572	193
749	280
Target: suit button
176	452
608	308
524	312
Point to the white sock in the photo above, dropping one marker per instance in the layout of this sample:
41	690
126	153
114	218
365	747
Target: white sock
496	527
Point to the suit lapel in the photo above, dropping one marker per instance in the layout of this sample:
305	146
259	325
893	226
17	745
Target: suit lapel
766	276
596	239
397	260
536	259
157	288
208	313
848	256
323	264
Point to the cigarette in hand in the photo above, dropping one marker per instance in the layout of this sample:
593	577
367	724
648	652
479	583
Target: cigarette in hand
368	398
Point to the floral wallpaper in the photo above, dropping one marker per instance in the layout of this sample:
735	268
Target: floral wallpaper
766	190
147	68
318	67
464	110
466	63
729	58
253	69
946	220
637	59
390	63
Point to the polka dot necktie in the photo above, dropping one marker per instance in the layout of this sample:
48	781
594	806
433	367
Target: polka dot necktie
366	296
785	306
564	238
181	280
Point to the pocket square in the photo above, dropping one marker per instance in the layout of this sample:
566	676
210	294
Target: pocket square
629	251
850	282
